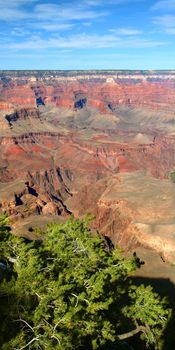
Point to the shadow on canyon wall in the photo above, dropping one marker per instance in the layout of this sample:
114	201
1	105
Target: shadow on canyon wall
165	288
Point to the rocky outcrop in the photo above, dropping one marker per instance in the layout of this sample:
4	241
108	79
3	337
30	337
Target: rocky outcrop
22	115
26	199
134	210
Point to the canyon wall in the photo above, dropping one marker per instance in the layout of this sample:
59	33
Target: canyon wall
90	142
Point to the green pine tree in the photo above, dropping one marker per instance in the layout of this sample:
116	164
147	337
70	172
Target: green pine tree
72	291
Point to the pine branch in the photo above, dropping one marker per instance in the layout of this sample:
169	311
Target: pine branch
132	333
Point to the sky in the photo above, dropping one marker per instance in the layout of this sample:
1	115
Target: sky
87	34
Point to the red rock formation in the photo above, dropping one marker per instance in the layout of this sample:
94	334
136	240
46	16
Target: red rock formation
74	152
147	94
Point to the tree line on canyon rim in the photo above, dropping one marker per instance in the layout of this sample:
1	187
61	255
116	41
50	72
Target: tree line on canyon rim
72	290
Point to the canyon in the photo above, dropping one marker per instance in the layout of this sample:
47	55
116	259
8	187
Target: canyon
99	142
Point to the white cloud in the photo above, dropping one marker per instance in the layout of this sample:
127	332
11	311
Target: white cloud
15	3
19	32
87	24
126	31
171	30
107	3
62	12
83	41
54	27
12	10
166	22
12	14
167	5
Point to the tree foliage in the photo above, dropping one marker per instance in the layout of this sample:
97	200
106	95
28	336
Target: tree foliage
72	291
172	176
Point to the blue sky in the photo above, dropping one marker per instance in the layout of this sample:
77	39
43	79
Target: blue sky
87	34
